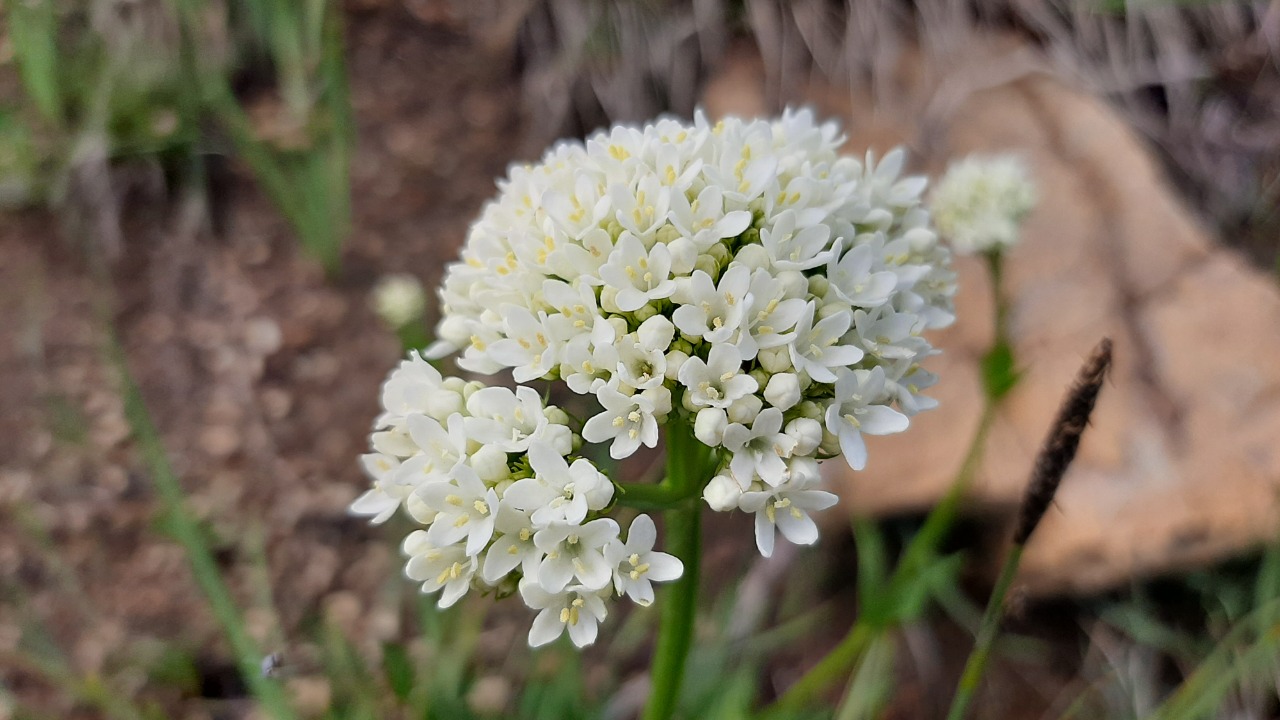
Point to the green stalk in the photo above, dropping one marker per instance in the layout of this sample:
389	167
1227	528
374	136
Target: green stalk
687	462
987	632
999	377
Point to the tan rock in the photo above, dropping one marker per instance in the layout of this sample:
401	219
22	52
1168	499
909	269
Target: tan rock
1181	465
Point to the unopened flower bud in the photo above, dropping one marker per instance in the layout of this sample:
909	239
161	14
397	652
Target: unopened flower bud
608	299
644	312
794	283
807	433
490	463
708	265
753	256
722	493
555	415
818	285
744	409
783	391
709	426
675	361
775	359
684	254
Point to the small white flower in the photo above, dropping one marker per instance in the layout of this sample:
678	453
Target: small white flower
448	568
856	410
627	421
639	275
854	278
981	201
807	433
786	508
558	491
636	565
722	493
530	347
577	608
709	426
709	311
513	547
440	451
704	220
717	381
760	450
793	248
464	510
783	391
770	317
575	551
814	349
384	497
415	386
513	420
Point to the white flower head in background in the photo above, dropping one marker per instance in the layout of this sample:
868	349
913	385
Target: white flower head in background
738	278
980	203
398	299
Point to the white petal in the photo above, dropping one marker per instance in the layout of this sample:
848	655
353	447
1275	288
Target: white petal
546	627
764	534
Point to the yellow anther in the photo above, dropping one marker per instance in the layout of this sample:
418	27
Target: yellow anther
481	507
453	500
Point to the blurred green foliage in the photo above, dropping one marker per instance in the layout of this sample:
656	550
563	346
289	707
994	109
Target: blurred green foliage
154	80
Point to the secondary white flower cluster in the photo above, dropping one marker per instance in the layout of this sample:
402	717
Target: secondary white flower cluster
981	202
741	275
490	473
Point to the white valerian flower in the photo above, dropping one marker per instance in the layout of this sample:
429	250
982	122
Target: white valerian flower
446	568
815	350
513	420
709	311
558	491
981	202
760	450
514	546
464	510
636	565
717	381
399	300
627	421
722	493
740	278
381	500
856	411
783	391
577	608
786	507
793	248
637	274
575	551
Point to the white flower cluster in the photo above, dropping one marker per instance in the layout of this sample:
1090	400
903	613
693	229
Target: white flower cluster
981	201
490	473
742	275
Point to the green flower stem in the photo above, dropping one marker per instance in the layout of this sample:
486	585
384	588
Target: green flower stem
995	266
688	467
987	631
836	665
